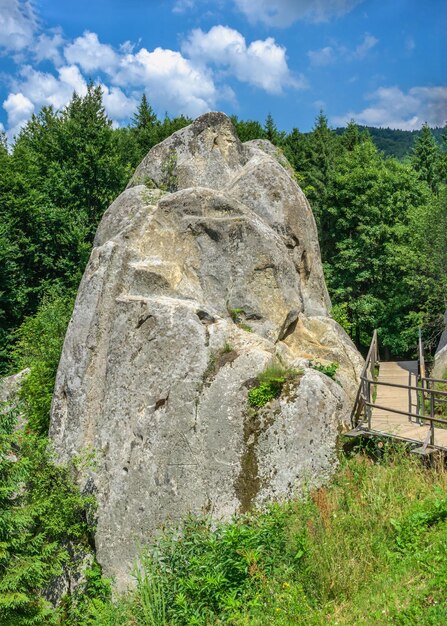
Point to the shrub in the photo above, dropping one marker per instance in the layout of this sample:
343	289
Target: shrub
329	370
39	345
41	514
270	384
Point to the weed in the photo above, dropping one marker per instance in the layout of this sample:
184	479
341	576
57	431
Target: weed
217	360
169	176
329	370
370	548
270	384
238	317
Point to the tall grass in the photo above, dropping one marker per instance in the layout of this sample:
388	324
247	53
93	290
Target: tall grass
370	548
150	592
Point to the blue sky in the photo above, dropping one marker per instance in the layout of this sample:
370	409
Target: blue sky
381	62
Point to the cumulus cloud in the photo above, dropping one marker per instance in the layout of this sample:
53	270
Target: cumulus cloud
190	81
394	108
19	109
118	105
261	63
283	13
47	47
17	24
37	89
170	79
90	54
336	52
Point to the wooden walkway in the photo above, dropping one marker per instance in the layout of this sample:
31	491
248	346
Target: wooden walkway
396	399
387	422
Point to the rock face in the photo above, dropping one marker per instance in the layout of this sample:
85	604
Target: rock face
440	364
205	270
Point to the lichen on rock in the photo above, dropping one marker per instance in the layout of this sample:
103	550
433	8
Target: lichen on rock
223	226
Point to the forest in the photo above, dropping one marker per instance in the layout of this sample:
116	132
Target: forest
382	224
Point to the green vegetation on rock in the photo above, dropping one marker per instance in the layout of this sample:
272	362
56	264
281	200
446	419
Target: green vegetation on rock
370	548
270	383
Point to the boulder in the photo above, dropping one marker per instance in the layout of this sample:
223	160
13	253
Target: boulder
440	363
204	271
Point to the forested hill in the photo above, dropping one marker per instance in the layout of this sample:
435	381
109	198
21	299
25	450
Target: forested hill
394	142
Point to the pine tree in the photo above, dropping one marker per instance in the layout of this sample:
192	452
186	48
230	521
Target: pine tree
352	136
248	130
144	116
271	131
146	127
425	157
321	152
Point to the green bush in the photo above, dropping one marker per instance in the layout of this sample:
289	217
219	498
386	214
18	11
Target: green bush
370	548
270	384
41	514
39	344
329	370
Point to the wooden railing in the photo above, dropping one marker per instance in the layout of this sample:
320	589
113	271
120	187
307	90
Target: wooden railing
428	398
364	396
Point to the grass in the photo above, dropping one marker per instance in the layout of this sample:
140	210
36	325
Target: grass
329	369
371	548
238	316
270	383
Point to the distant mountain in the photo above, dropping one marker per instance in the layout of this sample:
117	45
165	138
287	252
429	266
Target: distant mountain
392	142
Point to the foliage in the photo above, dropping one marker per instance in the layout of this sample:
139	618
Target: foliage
42	518
329	369
425	157
270	384
339	313
38	347
393	142
349	554
238	316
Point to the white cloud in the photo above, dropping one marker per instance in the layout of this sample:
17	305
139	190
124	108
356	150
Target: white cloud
47	47
391	107
170	79
331	54
90	54
19	109
261	63
284	12
191	81
37	89
368	43
180	6
117	104
45	89
323	56
17	24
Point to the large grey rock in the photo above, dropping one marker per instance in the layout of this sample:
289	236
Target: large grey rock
204	271
440	364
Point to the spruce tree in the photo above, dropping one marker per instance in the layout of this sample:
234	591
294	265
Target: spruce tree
271	131
425	157
146	126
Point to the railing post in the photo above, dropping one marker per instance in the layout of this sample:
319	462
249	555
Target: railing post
432	414
368	385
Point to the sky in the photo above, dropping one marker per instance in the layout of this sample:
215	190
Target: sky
379	62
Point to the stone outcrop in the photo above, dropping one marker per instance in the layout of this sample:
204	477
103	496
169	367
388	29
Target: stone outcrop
204	271
440	363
